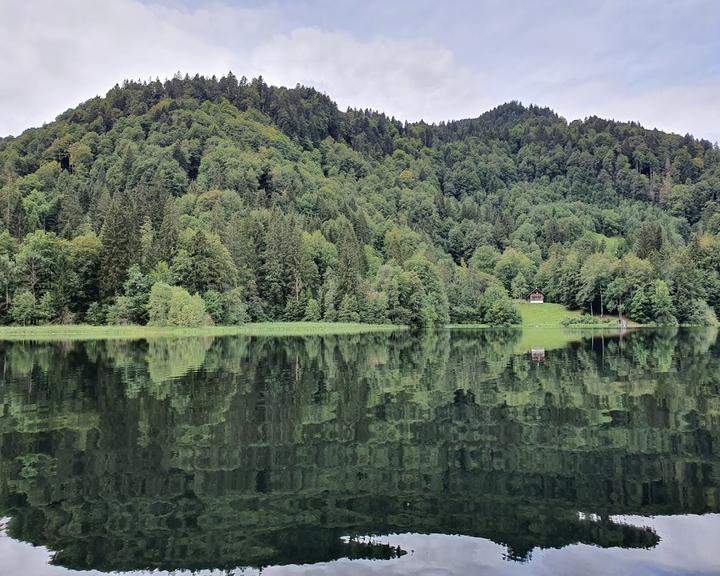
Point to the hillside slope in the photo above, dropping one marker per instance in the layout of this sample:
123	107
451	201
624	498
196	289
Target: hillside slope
270	203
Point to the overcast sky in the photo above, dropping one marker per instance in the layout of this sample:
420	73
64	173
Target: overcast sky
653	61
688	547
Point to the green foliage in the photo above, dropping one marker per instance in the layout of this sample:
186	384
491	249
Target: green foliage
118	244
699	313
595	276
312	310
502	313
227	309
24	310
41	260
83	276
587	320
174	306
46	309
161	273
511	264
349	310
435	306
280	274
137	291
641	306
466	297
234	307
376	308
95	314
519	287
120	311
662	305
401	243
203	263
497	308
484	259
214	306
266	200
9	276
406	297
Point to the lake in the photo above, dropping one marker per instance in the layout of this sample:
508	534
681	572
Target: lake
454	452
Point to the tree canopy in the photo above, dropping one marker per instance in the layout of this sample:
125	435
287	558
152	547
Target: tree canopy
270	203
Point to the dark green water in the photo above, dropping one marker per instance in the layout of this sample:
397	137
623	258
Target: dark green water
457	452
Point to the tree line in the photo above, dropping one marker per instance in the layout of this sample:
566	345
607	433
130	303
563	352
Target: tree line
203	200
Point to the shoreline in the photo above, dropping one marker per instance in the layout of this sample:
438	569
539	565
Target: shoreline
58	332
136	332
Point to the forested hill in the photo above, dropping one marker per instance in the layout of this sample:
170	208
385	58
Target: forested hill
200	199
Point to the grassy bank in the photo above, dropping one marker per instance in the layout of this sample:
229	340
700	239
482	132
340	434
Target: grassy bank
542	327
545	315
534	316
549	315
85	332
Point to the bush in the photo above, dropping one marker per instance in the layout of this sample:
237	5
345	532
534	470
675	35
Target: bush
586	320
236	311
24	308
174	306
95	314
228	309
120	312
312	311
348	311
214	306
375	311
701	314
294	310
497	308
46	309
502	312
137	288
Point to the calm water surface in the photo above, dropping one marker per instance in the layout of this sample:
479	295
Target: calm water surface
457	452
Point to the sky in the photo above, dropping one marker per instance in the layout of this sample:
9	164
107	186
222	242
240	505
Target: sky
656	62
688	547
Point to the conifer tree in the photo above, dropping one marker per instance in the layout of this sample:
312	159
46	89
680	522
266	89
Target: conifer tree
148	248
118	245
71	214
167	237
349	255
12	213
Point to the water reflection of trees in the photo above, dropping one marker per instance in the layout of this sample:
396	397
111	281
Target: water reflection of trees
200	452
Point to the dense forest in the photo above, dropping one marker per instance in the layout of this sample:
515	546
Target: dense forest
198	200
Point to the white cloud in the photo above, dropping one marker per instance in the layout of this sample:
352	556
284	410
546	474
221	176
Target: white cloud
58	54
410	79
580	62
693	108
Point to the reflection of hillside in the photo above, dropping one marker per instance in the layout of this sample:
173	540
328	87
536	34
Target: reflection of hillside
264	451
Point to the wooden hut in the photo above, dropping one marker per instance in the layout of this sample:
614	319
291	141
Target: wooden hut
536	297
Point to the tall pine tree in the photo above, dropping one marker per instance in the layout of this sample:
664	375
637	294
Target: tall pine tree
118	240
167	238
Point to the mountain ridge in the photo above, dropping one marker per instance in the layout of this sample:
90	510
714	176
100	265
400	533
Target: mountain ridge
300	210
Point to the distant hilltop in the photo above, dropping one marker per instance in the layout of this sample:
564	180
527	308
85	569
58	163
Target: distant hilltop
249	202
